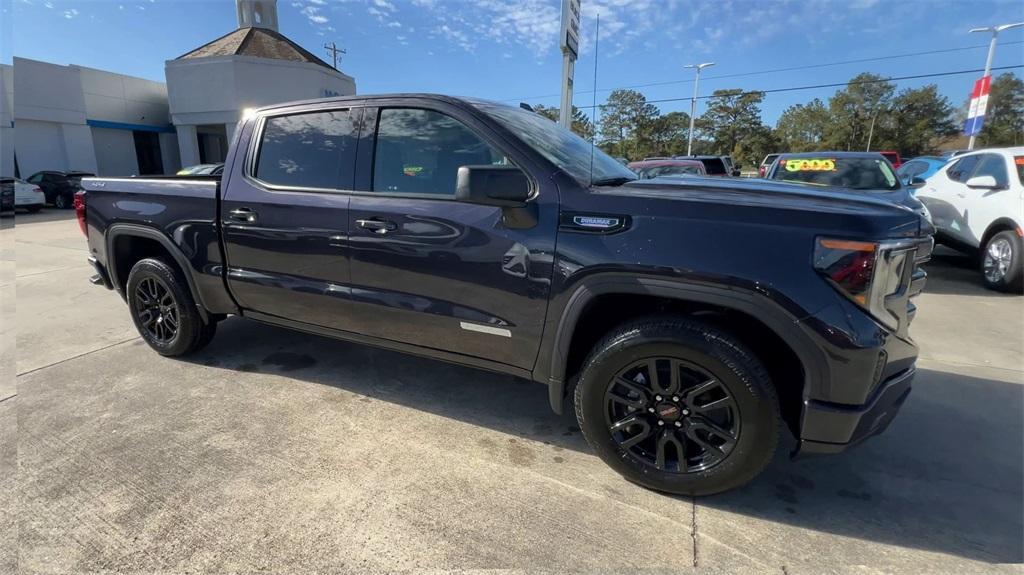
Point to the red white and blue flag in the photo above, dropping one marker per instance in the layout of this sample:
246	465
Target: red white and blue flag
976	111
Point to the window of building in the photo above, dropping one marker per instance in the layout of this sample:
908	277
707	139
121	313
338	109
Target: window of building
310	150
147	153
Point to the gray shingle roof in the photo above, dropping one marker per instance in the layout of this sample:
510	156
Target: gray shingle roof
258	42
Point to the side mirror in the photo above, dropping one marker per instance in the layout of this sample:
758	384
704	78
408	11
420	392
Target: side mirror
502	186
984	182
916	182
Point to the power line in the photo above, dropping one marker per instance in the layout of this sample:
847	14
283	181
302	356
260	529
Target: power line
776	70
836	85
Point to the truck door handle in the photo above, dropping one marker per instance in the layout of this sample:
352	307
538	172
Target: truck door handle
243	215
377	225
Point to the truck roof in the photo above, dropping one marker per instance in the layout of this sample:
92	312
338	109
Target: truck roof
457	100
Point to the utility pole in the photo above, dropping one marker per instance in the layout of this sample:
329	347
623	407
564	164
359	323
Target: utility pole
693	102
995	30
334	50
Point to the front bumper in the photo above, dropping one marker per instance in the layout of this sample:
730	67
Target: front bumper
831	427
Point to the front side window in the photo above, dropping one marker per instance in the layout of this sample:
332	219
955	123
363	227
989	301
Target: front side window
993	165
420	152
911	169
962	168
309	150
36	178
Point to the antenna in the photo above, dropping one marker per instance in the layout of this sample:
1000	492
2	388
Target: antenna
597	111
334	50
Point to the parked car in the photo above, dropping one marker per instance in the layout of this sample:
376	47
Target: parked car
920	167
487	235
860	172
202	170
7	196
765	164
59	188
26	196
648	169
977	204
893	157
713	165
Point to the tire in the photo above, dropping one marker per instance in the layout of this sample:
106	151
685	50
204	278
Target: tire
1002	262
63	202
156	287
710	364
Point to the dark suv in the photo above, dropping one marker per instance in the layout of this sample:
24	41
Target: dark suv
59	187
687	320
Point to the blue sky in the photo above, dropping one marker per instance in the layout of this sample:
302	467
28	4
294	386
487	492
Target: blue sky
508	50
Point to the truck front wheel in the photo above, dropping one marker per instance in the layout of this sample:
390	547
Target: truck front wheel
679	406
163	309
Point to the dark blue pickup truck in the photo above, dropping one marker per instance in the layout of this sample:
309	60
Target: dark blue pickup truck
687	320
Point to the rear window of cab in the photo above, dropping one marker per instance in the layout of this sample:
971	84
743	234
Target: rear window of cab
851	173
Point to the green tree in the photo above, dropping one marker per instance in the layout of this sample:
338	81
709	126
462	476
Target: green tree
732	116
581	124
802	127
853	109
627	122
668	134
1004	119
919	118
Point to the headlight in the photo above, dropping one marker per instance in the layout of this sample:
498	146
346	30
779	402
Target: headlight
869	273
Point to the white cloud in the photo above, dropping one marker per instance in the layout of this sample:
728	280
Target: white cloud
71	13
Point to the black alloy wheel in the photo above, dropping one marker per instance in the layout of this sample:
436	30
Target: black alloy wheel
678	404
157	311
672	415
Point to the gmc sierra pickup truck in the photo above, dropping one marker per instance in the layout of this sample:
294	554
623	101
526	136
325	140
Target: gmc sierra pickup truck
686	320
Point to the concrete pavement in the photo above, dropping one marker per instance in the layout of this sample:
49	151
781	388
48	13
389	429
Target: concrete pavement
284	452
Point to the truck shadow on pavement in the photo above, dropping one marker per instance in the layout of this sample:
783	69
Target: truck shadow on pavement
946	477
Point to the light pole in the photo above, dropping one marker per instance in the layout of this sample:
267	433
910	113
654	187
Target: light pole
995	30
693	102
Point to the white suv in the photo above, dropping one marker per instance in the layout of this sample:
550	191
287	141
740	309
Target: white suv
977	206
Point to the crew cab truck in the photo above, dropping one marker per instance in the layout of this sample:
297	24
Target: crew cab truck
687	321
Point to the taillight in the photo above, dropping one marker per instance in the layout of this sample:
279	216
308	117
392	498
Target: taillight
849	264
80	210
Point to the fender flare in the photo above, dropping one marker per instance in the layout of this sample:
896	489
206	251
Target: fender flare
135	230
1003	223
754	304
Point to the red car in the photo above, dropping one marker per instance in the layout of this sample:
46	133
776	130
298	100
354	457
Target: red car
648	169
893	157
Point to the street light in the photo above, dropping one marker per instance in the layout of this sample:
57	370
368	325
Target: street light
693	102
995	30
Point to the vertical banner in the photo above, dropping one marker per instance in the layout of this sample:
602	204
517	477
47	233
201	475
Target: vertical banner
978	106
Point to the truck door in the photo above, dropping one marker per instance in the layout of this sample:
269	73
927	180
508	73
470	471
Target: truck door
285	216
431	271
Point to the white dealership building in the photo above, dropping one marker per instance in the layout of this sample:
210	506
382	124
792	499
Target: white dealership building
55	117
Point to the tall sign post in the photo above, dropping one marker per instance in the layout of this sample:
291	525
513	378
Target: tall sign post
570	41
979	97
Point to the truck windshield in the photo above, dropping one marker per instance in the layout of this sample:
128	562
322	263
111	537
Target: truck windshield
852	173
561	147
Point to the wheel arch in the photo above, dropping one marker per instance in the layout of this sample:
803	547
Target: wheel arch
753	318
999	225
119	263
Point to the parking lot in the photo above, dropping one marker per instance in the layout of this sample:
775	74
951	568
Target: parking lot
283	452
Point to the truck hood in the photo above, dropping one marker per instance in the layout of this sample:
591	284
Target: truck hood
743	195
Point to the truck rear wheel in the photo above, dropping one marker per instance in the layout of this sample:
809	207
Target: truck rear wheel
679	406
163	309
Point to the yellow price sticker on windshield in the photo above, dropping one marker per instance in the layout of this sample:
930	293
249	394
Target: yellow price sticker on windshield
810	165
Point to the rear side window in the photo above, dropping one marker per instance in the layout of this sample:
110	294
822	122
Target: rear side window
1018	162
962	168
993	165
420	152
714	166
310	150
